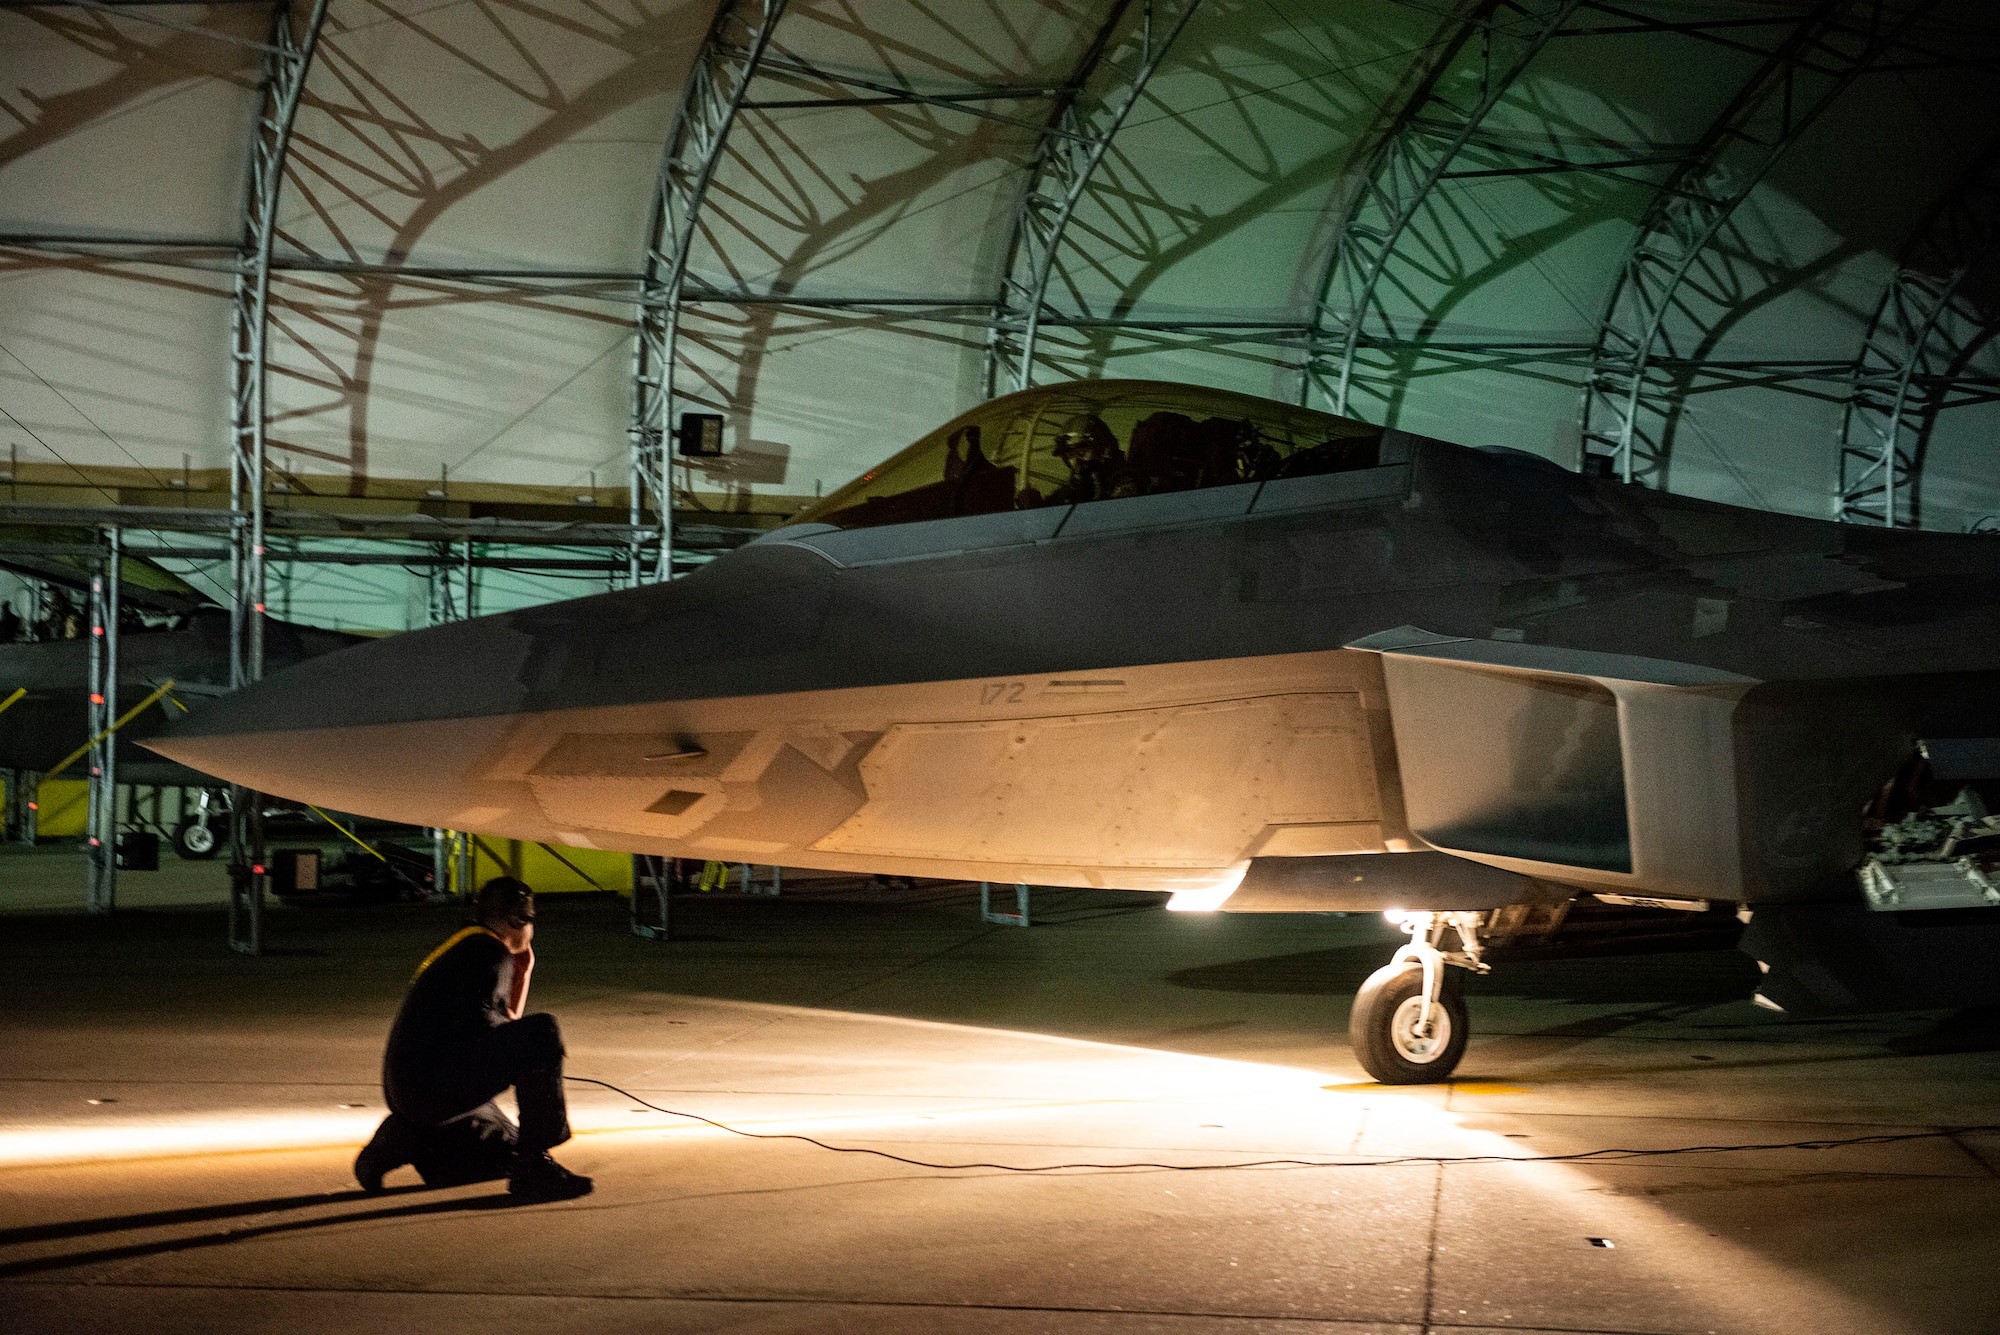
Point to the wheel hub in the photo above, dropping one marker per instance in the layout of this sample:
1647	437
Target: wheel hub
1419	1044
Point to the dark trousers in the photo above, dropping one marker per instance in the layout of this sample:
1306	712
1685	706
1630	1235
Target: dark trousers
449	1085
475	1147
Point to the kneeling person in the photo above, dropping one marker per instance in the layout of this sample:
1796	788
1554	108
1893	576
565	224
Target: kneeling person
458	1042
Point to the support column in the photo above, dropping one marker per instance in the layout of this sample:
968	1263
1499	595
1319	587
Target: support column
737	41
101	819
471	599
249	875
440	861
30	807
93	723
1916	353
287	60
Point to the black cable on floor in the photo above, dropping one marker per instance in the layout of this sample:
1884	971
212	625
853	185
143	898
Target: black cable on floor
1584	1156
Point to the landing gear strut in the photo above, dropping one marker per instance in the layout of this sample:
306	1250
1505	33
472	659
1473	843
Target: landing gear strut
1409	1024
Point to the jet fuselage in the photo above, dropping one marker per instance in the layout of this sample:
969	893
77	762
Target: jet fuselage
1588	683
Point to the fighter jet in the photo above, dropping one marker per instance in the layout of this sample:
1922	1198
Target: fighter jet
1157	637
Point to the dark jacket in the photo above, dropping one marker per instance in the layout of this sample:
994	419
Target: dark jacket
465	986
458	1041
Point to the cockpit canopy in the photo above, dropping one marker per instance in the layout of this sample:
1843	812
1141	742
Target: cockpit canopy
1097	440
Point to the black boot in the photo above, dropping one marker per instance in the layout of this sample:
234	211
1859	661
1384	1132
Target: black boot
475	1147
537	1177
393	1145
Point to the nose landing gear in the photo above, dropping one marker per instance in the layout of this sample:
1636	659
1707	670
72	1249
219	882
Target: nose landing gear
1409	1024
194	837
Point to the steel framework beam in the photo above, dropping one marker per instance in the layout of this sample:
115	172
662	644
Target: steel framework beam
413	560
290	55
1074	140
1913	357
84	244
136	10
737	40
321	524
1629	400
966	102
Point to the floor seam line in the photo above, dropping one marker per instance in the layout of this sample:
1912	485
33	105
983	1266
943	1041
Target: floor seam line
1431	1249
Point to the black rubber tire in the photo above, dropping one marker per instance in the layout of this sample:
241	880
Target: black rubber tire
1370	1027
196	842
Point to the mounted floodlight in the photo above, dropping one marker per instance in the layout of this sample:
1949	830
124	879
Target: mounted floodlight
700	435
1208	898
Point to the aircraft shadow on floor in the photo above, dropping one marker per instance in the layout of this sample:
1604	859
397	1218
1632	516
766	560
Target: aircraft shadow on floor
1976	1029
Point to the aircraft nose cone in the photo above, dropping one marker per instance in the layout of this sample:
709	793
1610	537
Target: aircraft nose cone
412	728
395	724
456	671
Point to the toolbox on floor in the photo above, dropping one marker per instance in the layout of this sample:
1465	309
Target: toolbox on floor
294	871
139	850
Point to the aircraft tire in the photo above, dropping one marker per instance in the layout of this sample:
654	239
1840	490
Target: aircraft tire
196	842
1382	1027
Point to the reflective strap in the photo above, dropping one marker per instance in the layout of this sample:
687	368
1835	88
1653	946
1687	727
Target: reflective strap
453	940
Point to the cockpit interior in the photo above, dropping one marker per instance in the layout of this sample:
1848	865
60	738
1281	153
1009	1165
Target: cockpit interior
1095	441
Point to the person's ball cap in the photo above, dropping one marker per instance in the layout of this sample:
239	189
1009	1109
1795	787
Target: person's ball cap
504	899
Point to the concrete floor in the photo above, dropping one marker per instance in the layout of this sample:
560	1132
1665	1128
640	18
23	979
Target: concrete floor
52	877
177	1124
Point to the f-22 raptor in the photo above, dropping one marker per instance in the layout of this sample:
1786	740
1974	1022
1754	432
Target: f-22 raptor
1157	637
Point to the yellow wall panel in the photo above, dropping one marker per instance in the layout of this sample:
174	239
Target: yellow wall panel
61	808
544	872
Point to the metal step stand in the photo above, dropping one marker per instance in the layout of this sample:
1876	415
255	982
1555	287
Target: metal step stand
1018	918
249	875
23	790
652	884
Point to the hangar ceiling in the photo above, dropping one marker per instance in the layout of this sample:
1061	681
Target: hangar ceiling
473	258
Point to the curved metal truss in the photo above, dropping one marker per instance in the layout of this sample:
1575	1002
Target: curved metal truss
1124	50
737	41
1079	132
1451	131
1921	338
1492	48
1640	373
286	62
